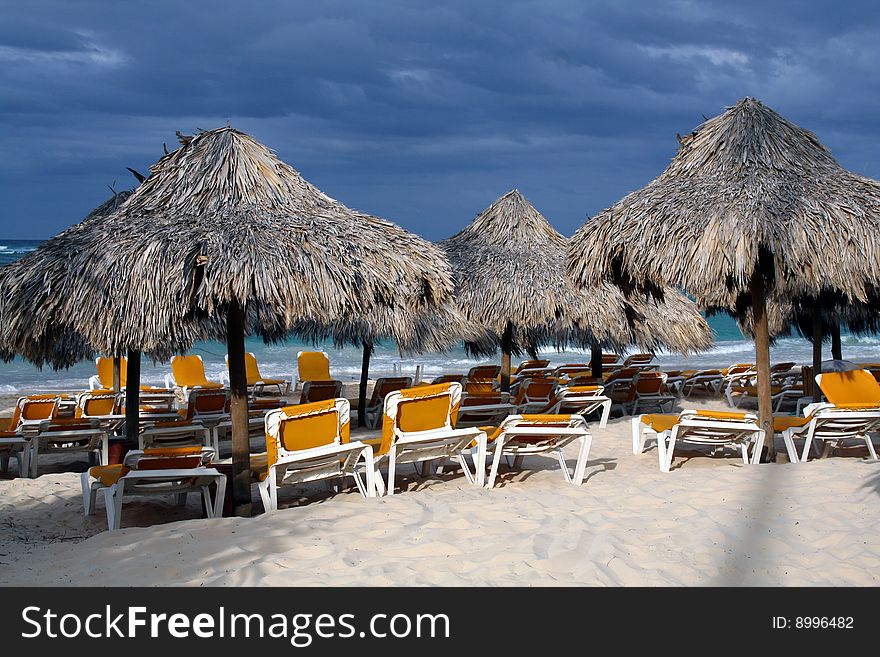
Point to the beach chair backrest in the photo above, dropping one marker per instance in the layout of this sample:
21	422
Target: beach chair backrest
638	359
531	365
483	387
587	380
781	367
649	382
188	371
251	369
97	402
165	458
35	407
315	391
568	369
419	409
313	366
850	389
207	402
449	378
105	371
623	373
535	390
306	426
484	373
739	368
384	385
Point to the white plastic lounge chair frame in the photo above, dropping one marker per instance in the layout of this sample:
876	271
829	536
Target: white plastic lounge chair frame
169	481
333	460
19	448
432	444
62	442
830	427
177	435
581	403
694	429
507	443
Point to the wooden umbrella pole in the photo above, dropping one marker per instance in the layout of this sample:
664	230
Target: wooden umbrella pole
117	373
132	397
506	347
836	347
362	389
241	466
817	352
596	360
762	357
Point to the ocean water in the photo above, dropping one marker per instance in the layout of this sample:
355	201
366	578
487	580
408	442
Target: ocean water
279	361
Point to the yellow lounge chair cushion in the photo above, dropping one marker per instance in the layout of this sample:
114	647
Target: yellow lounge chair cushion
720	415
783	422
660	422
108	474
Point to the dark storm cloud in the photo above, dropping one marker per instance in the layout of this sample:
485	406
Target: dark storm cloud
422	112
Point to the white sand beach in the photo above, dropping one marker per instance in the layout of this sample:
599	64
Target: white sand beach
710	521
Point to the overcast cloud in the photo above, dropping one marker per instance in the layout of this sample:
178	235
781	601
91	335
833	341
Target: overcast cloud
421	112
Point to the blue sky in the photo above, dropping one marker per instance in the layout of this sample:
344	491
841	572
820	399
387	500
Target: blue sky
420	112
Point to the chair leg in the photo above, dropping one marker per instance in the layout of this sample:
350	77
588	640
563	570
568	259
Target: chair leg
496	460
263	488
583	456
788	439
667	453
870	445
392	466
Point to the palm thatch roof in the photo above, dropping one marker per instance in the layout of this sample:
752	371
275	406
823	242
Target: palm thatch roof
55	343
746	189
220	220
508	266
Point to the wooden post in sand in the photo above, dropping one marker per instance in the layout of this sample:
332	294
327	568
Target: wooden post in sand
762	359
132	397
817	352
241	465
362	389
506	347
596	360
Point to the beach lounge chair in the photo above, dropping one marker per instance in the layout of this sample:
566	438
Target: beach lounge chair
482	409
851	412
418	426
256	382
104	378
567	371
779	395
528	435
579	400
646	389
640	361
98	403
783	373
619	380
534	394
311	366
707	381
31	411
70	436
167	471
829	427
188	372
538	364
314	391
382	387
484	373
309	442
698	427
175	433
449	378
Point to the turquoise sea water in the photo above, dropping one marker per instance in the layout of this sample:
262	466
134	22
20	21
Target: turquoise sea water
279	360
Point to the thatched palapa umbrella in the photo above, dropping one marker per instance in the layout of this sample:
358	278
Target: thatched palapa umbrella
221	239
751	207
509	270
